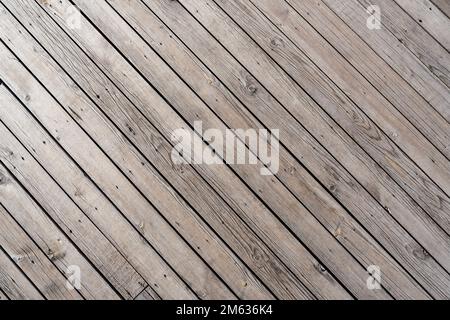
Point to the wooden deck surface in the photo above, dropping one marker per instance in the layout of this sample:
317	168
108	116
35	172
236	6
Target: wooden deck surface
92	92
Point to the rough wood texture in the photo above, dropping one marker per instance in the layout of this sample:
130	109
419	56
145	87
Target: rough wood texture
430	17
324	207
31	260
13	283
91	92
443	5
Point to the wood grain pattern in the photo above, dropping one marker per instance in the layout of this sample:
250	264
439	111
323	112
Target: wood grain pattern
353	119
232	111
217	212
431	18
13	283
391	50
278	198
443	5
54	243
30	259
56	203
299	140
418	41
91	93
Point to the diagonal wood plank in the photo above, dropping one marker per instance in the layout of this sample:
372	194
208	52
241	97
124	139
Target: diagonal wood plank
284	199
418	41
308	224
339	181
430	17
242	197
343	109
389	48
52	241
232	111
392	100
100	211
64	212
148	294
299	31
68	135
443	5
30	259
435	201
92	201
242	238
12	281
88	115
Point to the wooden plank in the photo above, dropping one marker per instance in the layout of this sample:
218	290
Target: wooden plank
276	195
59	122
383	88
282	202
387	46
3	296
52	241
13	283
417	40
30	259
76	142
147	295
443	5
341	184
430	18
398	130
306	38
256	215
90	200
229	109
99	211
319	50
238	235
67	215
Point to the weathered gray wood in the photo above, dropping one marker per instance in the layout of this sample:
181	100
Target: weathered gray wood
214	250
388	47
281	201
430	17
202	81
101	212
379	88
86	195
138	144
52	241
148	294
318	49
291	245
380	147
64	212
334	101
443	5
167	121
307	39
221	217
71	137
341	184
30	258
188	103
12	281
365	61
3	296
421	43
